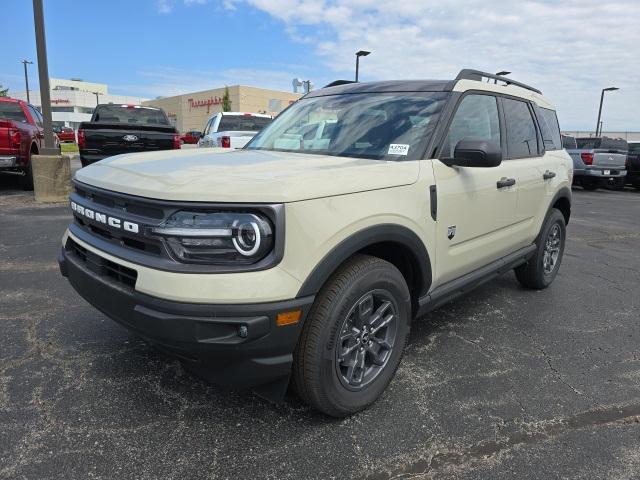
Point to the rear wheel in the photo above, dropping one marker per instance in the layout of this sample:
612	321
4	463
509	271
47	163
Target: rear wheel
354	338
542	268
590	183
26	182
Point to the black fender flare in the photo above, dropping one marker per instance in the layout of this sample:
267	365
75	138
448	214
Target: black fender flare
365	238
564	192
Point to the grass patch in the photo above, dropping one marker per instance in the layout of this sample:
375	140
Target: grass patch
68	148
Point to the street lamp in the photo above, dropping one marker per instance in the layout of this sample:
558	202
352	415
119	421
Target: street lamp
96	94
608	89
26	77
360	53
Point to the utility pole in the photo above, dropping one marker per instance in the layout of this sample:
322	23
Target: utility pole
26	77
43	74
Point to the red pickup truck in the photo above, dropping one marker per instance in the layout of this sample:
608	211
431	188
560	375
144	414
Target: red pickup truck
21	135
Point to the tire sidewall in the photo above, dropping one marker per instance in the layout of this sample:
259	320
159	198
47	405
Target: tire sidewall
390	280
554	217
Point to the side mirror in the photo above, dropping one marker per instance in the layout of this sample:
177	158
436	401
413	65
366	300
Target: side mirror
475	152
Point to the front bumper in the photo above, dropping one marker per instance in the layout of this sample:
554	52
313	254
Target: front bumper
235	345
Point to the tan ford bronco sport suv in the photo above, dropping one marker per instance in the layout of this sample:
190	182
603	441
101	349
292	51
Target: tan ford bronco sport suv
304	257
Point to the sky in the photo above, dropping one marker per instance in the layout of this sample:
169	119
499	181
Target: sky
569	49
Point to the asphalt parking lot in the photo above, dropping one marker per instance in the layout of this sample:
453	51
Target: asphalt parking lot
504	383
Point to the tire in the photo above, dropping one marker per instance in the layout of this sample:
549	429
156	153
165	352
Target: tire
26	182
533	274
83	162
590	183
363	284
616	184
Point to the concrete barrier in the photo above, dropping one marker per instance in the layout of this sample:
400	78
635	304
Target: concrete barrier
51	178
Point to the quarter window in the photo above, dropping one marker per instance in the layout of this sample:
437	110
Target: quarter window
522	140
549	129
477	116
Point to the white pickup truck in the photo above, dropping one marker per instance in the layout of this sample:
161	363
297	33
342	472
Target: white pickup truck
232	129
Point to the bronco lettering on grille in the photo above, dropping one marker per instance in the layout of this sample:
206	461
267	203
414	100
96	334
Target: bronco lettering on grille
105	219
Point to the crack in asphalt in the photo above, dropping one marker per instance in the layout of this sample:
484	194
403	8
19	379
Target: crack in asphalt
537	432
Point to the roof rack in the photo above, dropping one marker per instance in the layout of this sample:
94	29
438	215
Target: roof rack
335	83
469	74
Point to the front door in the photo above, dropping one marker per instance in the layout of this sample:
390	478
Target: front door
476	206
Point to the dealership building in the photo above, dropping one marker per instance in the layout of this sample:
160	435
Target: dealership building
192	110
73	101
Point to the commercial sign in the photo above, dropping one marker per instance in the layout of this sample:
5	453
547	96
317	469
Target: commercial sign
204	102
60	100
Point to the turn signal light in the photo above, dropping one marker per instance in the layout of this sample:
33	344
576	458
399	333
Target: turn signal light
225	142
288	318
176	141
81	138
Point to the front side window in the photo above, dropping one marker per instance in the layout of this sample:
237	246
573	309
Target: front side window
378	126
522	140
550	129
477	117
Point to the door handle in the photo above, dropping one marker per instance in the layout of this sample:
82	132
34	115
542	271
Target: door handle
506	182
548	175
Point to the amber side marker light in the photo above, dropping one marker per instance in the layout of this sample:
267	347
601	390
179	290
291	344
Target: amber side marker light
288	318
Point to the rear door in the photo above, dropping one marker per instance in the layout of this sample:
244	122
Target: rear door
476	206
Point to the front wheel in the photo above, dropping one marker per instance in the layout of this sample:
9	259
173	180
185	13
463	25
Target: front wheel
542	268
353	340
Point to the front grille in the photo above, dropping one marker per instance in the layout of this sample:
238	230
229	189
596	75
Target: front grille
101	266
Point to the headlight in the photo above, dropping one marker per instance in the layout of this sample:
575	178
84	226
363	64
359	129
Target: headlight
217	237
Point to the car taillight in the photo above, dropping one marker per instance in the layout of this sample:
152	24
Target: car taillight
225	142
81	139
587	158
14	134
176	141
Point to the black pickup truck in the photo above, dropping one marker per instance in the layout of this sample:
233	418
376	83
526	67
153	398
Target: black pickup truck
116	129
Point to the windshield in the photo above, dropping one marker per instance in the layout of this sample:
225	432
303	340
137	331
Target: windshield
390	126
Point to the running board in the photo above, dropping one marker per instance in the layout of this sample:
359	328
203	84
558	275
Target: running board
450	290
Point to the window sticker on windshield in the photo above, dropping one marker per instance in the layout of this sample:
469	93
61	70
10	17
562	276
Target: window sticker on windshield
398	149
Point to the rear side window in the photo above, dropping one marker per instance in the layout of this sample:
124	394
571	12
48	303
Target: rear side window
522	140
477	116
243	123
130	114
12	111
550	129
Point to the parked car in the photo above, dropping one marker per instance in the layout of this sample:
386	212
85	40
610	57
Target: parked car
598	161
232	129
568	142
21	136
65	134
115	129
191	137
266	264
633	164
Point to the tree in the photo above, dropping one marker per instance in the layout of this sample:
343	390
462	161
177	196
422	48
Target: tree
4	92
226	100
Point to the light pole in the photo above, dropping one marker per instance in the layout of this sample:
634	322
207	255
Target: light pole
96	94
360	53
608	89
43	74
26	77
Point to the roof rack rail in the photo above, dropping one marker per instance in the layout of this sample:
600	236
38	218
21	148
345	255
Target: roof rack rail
335	83
469	74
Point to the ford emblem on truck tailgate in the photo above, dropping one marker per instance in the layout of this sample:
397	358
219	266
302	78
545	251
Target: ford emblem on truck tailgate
130	138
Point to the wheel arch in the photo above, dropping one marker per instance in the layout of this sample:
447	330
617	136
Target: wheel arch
394	243
562	201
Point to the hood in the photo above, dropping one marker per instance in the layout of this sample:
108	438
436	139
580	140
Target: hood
221	175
